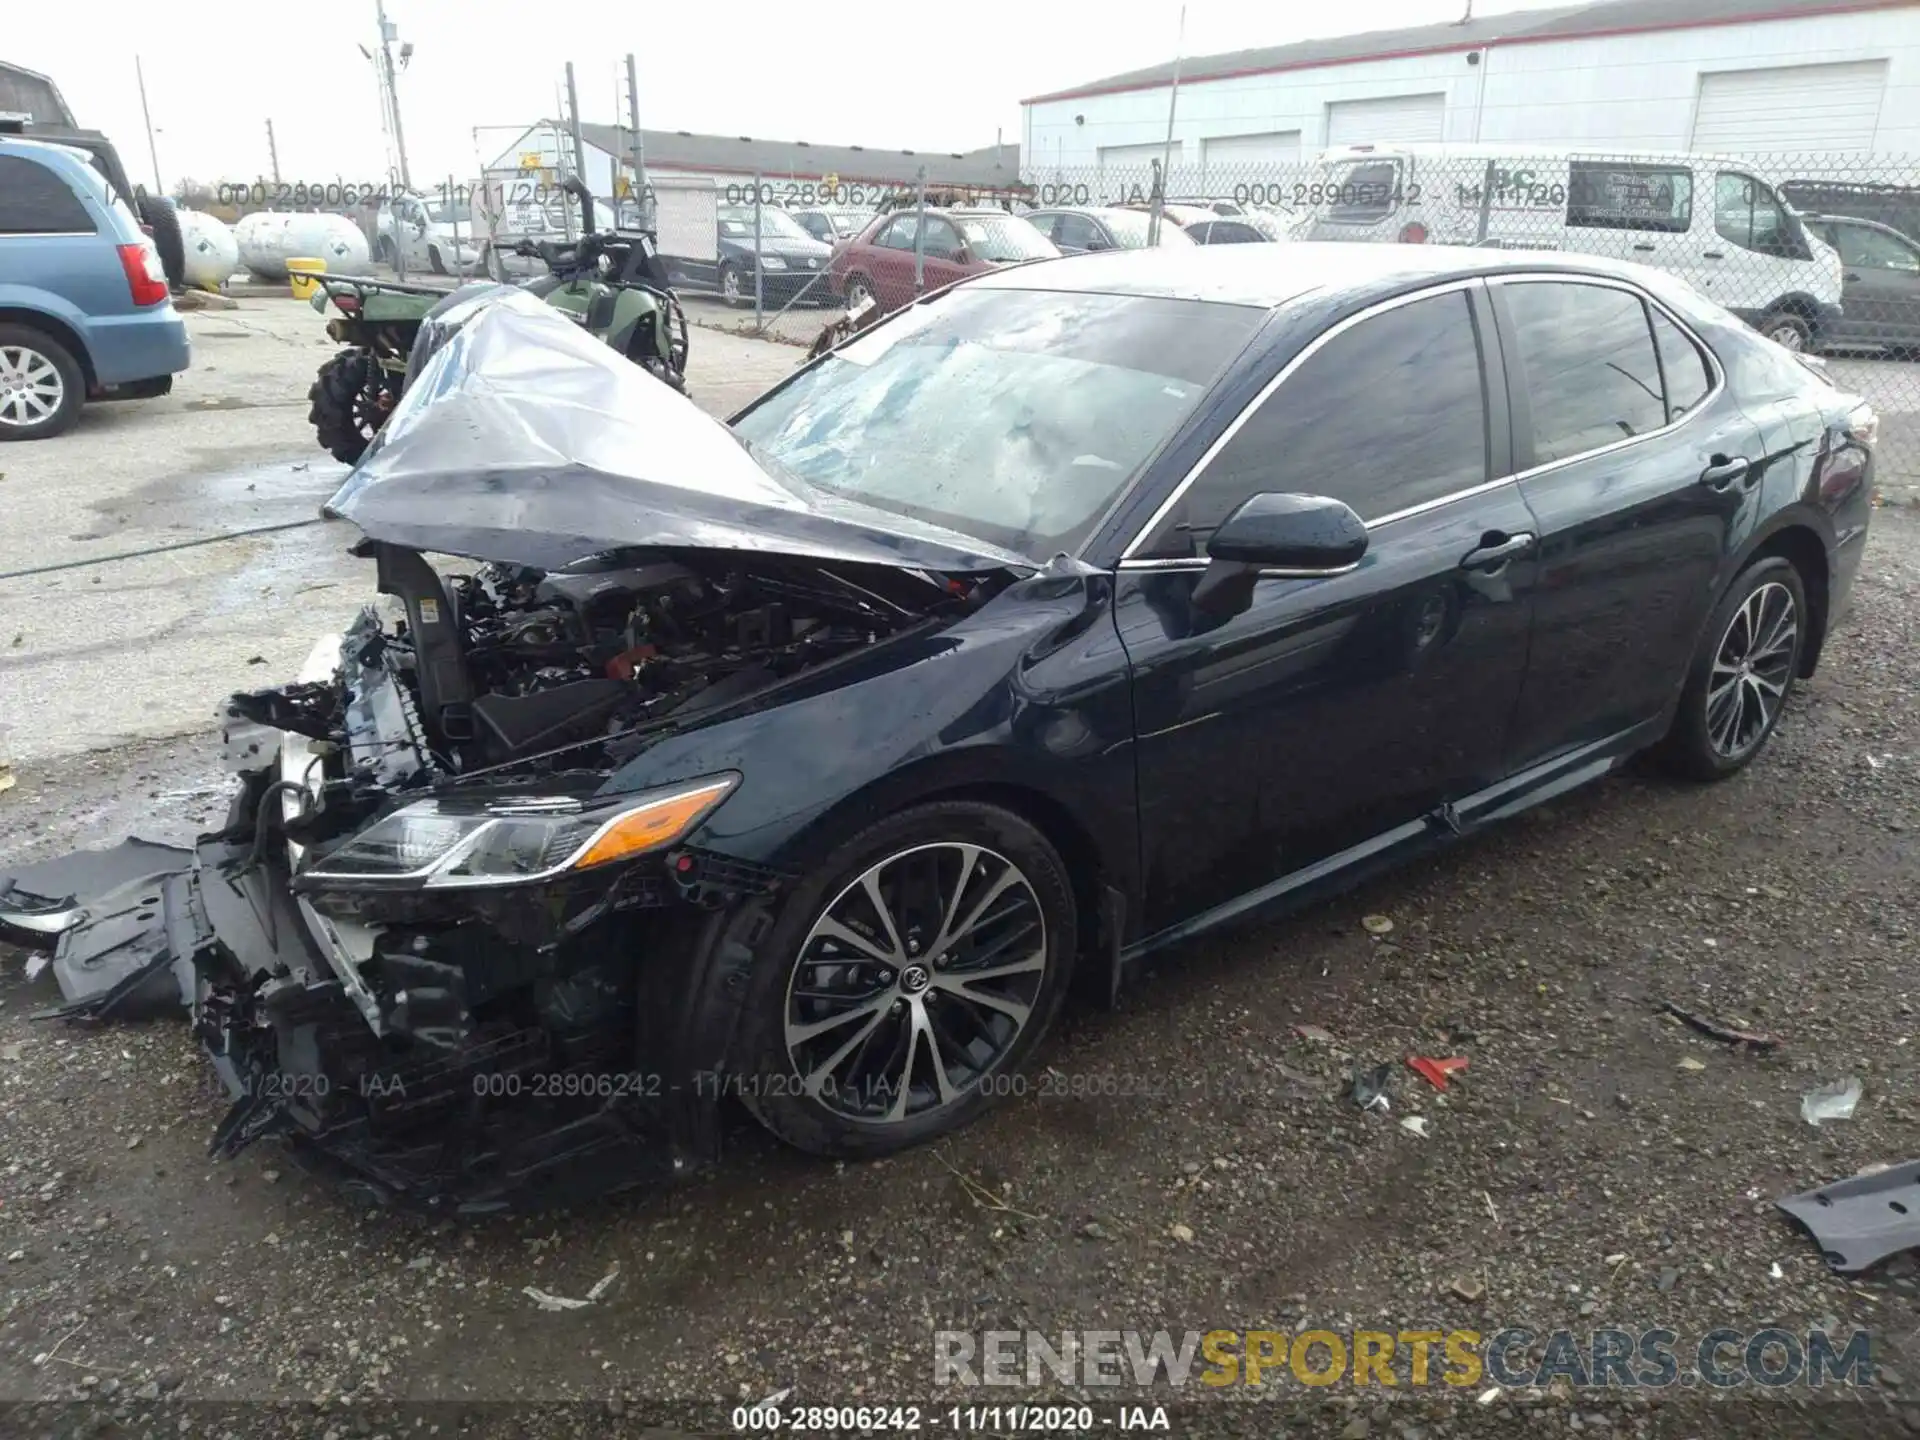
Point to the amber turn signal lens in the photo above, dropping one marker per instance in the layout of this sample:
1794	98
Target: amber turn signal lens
656	823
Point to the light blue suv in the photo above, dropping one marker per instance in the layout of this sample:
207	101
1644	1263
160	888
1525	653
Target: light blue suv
84	307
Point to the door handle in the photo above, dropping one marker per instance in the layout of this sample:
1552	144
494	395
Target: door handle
1724	473
1714	254
1495	549
1647	248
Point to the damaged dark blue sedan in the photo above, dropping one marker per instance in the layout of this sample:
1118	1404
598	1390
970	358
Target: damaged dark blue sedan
1069	612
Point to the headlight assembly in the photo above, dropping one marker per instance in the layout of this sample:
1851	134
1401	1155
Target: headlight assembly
453	841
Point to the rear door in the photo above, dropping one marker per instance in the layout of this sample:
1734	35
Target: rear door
1335	709
1631	453
1641	211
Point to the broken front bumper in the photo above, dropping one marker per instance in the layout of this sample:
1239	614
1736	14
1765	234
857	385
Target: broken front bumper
501	1119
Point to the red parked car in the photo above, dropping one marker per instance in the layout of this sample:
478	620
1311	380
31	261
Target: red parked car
879	260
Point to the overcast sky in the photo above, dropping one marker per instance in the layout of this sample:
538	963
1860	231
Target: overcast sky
925	76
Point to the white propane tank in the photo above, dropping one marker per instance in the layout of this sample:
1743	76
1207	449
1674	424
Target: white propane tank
262	238
213	255
332	238
268	239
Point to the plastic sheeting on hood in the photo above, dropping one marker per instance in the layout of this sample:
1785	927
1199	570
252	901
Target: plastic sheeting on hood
523	439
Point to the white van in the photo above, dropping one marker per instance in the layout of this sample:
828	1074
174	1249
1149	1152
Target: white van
1714	221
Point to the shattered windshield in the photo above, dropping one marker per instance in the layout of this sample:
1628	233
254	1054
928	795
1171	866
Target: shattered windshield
1015	416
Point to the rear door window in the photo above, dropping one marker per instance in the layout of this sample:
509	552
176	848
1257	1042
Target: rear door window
1386	415
1076	232
1587	362
35	199
1609	195
1363	193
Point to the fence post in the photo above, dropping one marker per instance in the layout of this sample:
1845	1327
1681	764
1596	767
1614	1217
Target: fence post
759	309
453	209
920	235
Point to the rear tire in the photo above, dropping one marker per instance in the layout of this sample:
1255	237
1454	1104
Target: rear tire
1786	329
41	384
340	418
948	1024
729	285
1743	675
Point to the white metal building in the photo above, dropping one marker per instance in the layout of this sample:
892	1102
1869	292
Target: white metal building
1747	76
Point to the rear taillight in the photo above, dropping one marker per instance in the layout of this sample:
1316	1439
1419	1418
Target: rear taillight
146	276
348	304
1413	233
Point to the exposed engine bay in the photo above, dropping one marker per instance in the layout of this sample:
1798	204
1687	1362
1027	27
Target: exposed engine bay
405	951
508	667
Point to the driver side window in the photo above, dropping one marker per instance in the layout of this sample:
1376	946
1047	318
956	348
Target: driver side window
1746	213
1874	249
1388	414
899	235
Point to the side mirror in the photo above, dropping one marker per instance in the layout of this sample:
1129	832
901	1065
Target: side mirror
1303	535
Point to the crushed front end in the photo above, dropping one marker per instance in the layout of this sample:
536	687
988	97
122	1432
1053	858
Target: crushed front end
434	946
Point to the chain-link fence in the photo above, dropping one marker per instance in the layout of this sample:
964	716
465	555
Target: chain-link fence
1820	253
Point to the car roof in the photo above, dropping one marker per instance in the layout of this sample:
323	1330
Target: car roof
1267	276
44	149
1099	212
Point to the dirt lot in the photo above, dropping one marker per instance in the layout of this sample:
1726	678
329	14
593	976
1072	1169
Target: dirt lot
1194	1164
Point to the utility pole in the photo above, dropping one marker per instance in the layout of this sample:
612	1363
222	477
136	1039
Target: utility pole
391	91
573	128
1166	154
273	152
153	154
643	197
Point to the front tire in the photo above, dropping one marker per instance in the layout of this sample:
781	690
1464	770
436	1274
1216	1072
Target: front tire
1745	671
907	980
730	289
41	384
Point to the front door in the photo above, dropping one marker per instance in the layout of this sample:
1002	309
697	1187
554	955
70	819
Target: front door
890	259
1334	709
1639	474
1754	257
1881	301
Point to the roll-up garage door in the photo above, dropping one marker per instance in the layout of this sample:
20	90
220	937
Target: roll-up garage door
1397	120
1275	147
1126	157
1790	107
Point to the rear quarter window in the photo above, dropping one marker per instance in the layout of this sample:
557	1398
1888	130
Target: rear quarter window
35	199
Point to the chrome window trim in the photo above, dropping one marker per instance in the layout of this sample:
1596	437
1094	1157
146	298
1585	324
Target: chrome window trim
1267	572
1128	560
1225	437
1604	282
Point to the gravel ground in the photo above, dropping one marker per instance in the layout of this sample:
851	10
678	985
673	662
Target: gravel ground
1597	1164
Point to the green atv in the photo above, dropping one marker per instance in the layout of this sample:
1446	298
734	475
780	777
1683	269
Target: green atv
612	283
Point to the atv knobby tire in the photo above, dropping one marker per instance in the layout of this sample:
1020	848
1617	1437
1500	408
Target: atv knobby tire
338	409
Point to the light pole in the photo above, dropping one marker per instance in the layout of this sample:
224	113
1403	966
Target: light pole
153	153
389	91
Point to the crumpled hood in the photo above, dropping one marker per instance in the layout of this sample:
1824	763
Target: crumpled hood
524	439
